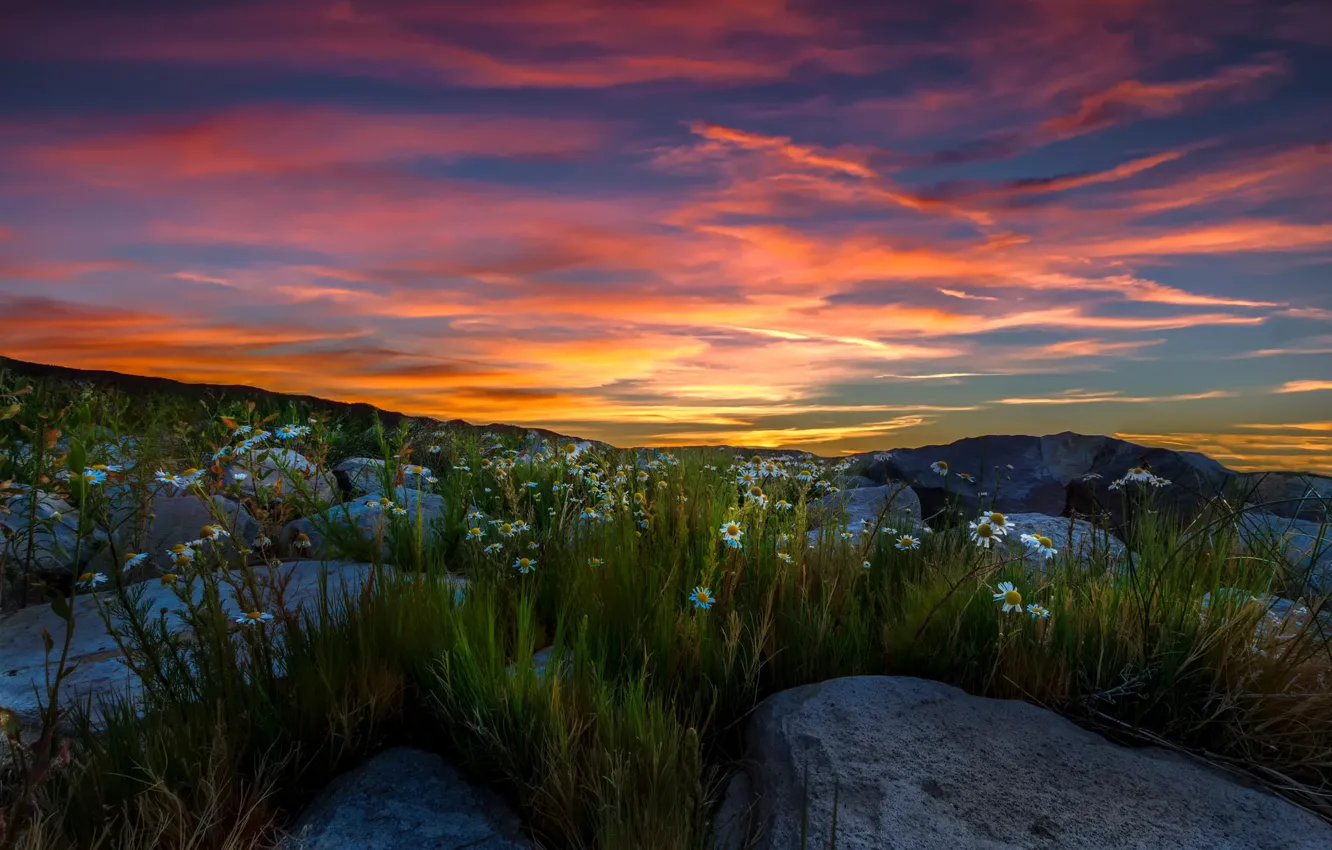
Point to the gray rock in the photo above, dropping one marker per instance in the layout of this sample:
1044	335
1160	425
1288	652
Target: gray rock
1075	537
407	798
52	541
366	520
854	482
363	474
100	670
1306	545
180	518
864	504
541	660
923	765
269	466
1289	494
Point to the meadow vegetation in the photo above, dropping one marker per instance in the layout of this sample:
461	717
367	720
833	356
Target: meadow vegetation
678	590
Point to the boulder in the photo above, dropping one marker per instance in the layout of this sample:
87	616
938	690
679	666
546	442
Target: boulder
1290	494
361	474
179	517
100	671
853	482
269	466
407	798
924	765
1305	544
357	514
52	540
864	504
1057	475
1075	537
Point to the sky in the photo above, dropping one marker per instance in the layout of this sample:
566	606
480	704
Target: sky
827	226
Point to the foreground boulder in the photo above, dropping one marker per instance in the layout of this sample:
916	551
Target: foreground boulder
179	517
407	798
100	671
925	766
1306	546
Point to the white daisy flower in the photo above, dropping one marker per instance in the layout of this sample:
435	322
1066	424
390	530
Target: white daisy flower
1040	545
983	534
254	618
731	533
1008	594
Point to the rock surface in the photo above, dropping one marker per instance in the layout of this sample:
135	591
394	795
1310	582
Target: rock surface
100	670
365	519
1290	494
924	766
864	504
1070	536
1306	545
407	798
179	518
52	540
270	466
1049	474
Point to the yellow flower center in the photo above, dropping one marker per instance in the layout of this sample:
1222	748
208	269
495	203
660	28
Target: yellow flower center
1044	541
206	531
179	548
984	530
86	577
169	578
255	615
1012	597
732	530
191	471
506	528
998	518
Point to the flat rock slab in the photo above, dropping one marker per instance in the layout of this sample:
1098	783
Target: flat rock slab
406	798
100	671
1075	538
863	504
921	765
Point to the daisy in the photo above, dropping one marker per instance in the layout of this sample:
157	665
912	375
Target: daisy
997	520
262	540
474	534
254	618
983	534
302	541
865	564
1009	595
965	476
244	429
940	467
755	495
783	557
133	560
906	541
433	450
212	532
91	580
398	511
1038	612
846	535
474	515
169	579
93	476
524	565
1040	545
595	562
286	432
494	549
702	598
783	505
180	554
732	533
238	476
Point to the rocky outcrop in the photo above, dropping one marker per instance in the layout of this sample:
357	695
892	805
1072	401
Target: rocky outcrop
366	520
407	798
1057	475
923	765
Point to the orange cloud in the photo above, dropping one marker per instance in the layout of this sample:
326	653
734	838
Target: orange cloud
1303	386
1135	98
1089	397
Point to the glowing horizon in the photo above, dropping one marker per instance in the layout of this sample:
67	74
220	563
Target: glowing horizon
810	226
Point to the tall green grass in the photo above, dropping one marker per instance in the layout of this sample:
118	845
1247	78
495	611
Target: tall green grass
626	738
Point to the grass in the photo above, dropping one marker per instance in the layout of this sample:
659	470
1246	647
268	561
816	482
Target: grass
630	743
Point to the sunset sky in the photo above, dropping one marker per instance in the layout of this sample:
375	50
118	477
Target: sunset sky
829	226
